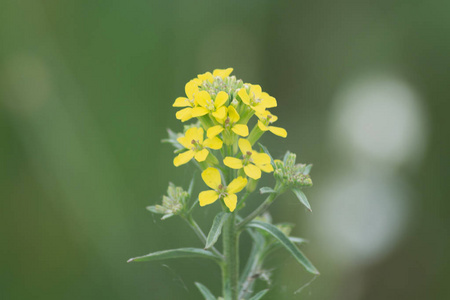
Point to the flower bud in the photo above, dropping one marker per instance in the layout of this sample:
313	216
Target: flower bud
173	204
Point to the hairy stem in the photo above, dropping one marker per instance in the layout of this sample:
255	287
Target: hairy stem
230	267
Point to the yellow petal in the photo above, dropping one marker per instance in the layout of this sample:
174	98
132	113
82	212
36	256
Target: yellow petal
266	168
207	197
187	143
260	158
191	134
259	108
240	129
183	158
233	114
203	98
181	102
268	101
252	171
244	96
262	126
206	76
230	201
201	155
213	143
278	131
190	89
237	185
221	98
245	146
182	113
222	72
232	162
198	135
213	131
199	111
256	90
211	177
220	114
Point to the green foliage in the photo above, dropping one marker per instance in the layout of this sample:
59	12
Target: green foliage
176	253
205	291
284	240
216	229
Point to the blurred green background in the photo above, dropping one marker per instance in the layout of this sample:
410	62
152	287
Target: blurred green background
86	89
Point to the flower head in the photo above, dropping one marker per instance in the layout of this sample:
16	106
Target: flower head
206	104
212	178
252	161
197	147
256	99
265	119
191	88
229	122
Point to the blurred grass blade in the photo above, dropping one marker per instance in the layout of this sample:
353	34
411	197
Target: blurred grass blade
259	295
216	229
266	190
302	197
176	253
205	292
284	240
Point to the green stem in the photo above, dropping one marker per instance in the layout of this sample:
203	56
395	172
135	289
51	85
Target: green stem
262	208
230	267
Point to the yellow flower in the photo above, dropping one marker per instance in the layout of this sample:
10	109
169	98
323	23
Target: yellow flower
193	141
222	73
257	99
191	88
212	178
229	122
253	162
265	119
208	105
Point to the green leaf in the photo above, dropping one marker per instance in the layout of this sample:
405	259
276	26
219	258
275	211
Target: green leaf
284	240
302	197
216	229
176	253
266	190
259	295
307	169
267	152
205	292
191	185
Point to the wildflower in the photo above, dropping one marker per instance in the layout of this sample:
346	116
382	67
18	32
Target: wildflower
208	105
212	178
191	88
222	73
291	174
265	119
193	141
229	122
253	162
257	99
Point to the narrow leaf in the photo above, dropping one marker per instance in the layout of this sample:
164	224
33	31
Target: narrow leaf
205	292
267	152
266	190
284	240
259	295
216	229
302	197
307	169
176	253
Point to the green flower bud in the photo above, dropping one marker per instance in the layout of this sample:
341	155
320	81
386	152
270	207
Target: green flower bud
291	175
173	204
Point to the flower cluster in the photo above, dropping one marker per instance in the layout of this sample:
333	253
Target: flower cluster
224	106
